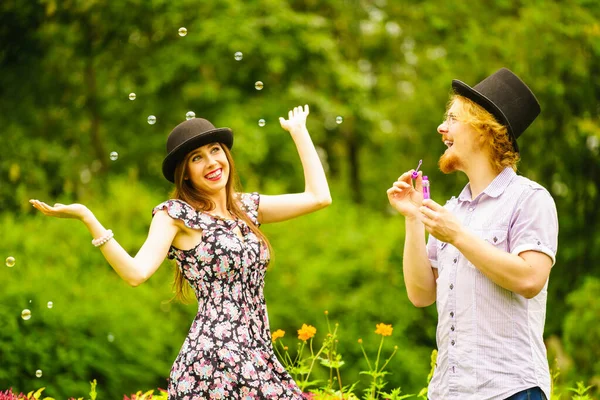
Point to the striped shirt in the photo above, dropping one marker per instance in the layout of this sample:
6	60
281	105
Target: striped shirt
489	339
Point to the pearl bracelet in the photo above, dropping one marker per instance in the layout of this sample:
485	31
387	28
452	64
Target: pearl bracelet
102	240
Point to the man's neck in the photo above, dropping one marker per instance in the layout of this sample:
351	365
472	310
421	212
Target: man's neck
480	176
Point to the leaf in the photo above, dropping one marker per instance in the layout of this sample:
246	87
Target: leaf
38	393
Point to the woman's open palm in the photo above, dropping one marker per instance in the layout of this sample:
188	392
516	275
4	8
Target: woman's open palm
76	211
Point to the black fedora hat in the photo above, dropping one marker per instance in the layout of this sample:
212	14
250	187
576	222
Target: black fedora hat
506	97
188	136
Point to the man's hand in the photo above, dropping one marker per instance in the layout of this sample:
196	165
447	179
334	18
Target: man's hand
440	222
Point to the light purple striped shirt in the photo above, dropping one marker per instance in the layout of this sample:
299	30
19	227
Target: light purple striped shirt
489	339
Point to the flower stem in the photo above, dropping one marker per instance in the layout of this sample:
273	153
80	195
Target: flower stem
388	360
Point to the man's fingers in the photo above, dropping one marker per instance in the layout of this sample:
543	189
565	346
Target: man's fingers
432	205
401	185
419	182
429	213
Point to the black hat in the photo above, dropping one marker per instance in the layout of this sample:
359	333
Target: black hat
188	136
506	97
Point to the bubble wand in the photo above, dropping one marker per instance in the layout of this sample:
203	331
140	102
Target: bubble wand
425	182
415	174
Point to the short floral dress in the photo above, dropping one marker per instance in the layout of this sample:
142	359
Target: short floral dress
228	352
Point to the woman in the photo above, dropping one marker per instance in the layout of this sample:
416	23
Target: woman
211	230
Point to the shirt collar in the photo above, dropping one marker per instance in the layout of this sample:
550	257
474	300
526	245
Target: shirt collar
494	189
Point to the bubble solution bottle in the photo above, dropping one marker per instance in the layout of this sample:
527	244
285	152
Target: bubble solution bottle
426	194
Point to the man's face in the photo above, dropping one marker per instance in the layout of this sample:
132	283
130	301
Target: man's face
460	138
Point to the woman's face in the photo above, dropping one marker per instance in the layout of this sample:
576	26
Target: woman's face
208	168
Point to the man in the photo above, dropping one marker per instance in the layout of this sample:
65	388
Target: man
490	251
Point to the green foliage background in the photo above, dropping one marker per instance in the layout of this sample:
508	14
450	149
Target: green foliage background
66	69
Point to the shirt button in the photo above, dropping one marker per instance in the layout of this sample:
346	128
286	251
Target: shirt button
455	260
452	314
452	343
452	328
451	286
471	208
539	243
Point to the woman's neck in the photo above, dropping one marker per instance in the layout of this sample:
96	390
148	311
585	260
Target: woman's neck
220	201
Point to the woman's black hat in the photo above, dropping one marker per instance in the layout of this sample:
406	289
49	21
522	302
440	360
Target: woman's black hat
188	136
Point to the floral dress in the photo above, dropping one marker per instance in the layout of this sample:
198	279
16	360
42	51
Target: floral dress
228	352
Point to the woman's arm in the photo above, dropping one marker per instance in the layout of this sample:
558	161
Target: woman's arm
316	190
133	270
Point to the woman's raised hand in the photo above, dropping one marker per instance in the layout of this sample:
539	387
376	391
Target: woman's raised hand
296	119
76	211
404	197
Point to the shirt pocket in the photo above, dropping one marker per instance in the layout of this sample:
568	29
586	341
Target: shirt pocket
496	237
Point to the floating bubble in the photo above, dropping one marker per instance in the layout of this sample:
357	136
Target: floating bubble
132	96
593	143
10	262
85	175
182	31
238	56
114	155
151	119
258	85
38	373
190	115
339	119
50	304
26	314
261	122
110	337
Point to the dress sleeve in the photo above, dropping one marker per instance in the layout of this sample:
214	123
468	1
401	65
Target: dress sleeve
249	203
534	225
179	209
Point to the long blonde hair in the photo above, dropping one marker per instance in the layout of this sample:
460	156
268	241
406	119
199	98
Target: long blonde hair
494	135
184	190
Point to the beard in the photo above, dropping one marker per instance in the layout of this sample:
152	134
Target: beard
449	163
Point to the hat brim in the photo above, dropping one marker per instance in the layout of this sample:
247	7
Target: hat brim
219	135
467	91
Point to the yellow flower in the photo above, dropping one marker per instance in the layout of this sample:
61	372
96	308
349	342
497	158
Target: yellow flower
384	330
306	332
360	341
277	334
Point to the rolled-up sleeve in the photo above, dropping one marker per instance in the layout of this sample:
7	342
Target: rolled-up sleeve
534	225
432	251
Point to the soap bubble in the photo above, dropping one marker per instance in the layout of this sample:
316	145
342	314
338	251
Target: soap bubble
50	304
132	96
238	56
339	119
10	261
190	115
258	85
261	122
26	314
151	119
593	143
182	31
114	155
38	373
111	337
